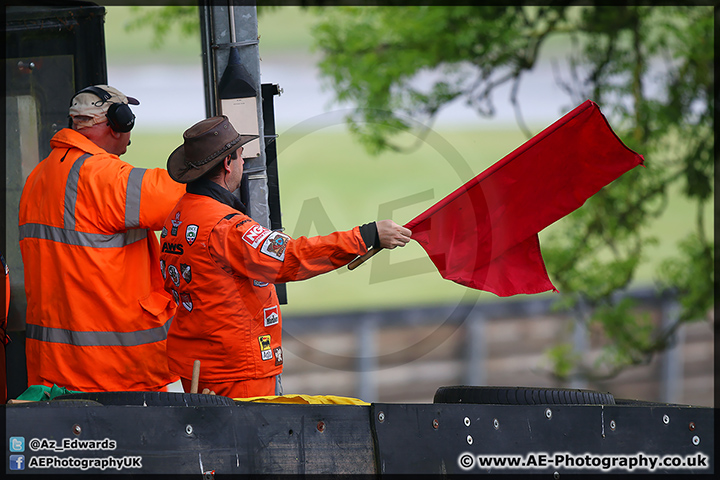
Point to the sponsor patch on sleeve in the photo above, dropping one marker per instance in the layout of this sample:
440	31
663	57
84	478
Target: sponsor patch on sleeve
174	274
186	272
186	301
275	245
175	224
255	235
191	234
271	315
278	355
265	351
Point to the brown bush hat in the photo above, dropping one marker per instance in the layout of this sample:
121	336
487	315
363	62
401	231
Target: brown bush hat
204	145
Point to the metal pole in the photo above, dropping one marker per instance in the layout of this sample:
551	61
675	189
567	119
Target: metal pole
672	364
231	12
580	339
367	359
222	29
208	58
476	350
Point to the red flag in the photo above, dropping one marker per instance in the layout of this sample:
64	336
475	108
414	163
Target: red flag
484	234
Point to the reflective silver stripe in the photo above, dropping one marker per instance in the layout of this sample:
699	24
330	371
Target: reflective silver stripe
97	339
71	191
132	197
278	385
82	239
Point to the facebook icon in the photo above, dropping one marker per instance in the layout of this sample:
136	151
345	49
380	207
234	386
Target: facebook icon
17	462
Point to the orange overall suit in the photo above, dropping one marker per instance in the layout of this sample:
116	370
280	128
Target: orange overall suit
220	265
97	313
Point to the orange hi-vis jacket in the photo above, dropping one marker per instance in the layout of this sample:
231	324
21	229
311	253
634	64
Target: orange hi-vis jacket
97	313
220	266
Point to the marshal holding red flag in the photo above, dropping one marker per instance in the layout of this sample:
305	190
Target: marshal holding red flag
484	234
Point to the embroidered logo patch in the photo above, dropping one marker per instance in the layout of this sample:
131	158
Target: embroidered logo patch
278	355
175	224
162	269
186	301
176	297
258	283
255	234
164	232
174	274
275	245
174	248
191	233
265	351
271	316
186	272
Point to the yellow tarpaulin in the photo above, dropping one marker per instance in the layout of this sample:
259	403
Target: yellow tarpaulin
305	399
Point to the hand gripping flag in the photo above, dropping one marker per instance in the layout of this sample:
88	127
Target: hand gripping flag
484	234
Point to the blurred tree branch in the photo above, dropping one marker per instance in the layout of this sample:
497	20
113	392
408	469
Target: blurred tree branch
651	71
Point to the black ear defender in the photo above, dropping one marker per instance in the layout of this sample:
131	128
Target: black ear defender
119	116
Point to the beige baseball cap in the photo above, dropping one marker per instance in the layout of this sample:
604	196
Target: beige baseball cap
90	105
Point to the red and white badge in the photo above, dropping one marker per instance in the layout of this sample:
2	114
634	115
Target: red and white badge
255	235
271	315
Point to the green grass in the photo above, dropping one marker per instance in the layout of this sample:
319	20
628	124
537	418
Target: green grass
328	182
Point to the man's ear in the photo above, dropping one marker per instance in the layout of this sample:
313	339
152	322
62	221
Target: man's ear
115	134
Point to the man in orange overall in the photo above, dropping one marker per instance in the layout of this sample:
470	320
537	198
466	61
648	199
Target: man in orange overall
220	265
97	313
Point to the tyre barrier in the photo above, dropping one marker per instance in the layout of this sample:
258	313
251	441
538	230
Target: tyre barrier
521	396
151	399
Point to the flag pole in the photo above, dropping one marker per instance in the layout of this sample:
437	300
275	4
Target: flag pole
363	258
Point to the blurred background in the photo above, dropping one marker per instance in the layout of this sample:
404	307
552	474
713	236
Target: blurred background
394	330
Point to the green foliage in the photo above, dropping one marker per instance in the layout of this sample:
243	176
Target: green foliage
630	336
651	70
162	20
692	274
373	55
563	359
